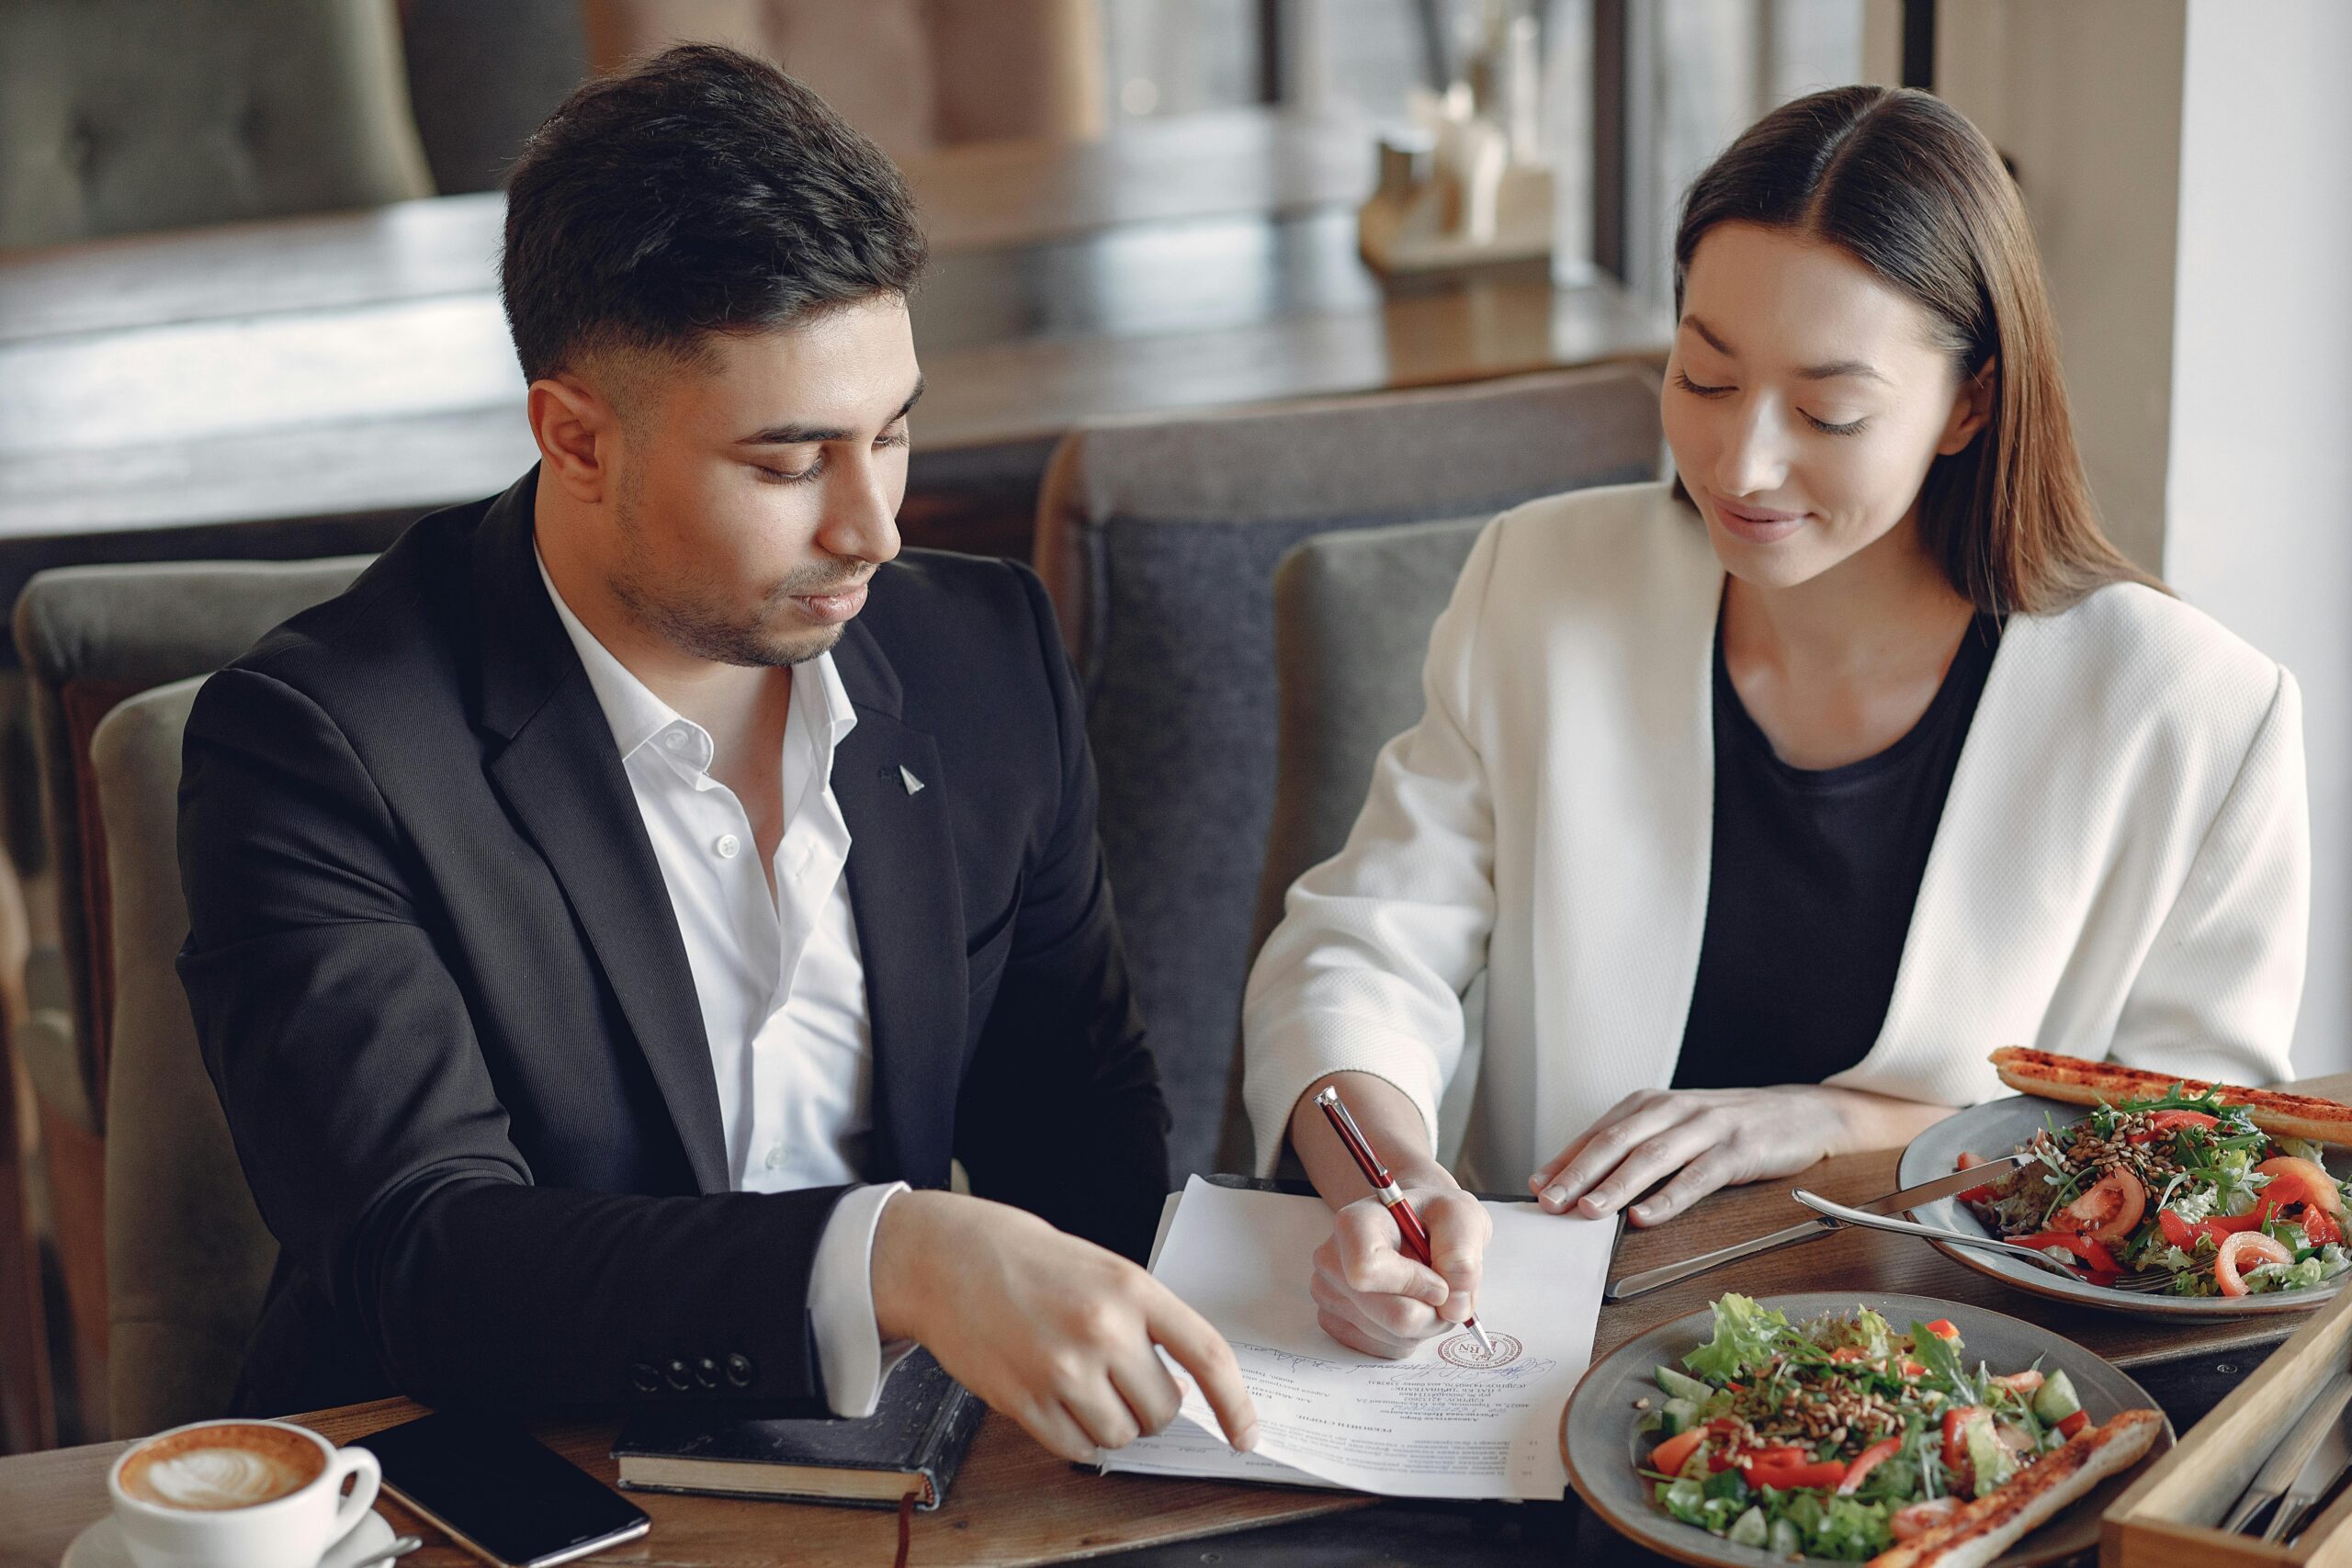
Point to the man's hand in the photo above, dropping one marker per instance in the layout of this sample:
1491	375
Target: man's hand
1370	1296
1055	1332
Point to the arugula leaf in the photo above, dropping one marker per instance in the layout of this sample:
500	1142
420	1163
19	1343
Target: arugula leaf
1942	1357
2177	1099
1745	1337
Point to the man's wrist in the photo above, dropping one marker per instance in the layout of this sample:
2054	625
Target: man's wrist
902	1245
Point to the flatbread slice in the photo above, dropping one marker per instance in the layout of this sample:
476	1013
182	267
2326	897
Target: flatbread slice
2080	1082
1988	1526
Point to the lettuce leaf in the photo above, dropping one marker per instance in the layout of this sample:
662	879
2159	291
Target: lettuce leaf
1745	1338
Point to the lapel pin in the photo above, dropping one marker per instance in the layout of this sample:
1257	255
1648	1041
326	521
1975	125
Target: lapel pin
914	784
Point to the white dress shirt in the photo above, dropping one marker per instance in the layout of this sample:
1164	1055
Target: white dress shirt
777	973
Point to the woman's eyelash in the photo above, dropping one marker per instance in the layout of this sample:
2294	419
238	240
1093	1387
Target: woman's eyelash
1854	427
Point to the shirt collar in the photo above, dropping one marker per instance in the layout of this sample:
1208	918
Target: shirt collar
637	716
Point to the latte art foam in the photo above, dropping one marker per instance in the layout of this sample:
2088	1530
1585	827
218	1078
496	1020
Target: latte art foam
226	1466
221	1478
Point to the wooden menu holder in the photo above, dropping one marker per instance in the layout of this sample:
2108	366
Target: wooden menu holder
2168	1517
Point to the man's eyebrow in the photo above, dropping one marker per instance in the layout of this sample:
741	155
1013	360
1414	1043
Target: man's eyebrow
811	434
1828	372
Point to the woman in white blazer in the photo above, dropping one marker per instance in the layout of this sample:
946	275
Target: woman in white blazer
1769	802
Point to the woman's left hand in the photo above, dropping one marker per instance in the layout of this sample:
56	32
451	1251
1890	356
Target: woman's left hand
1706	1138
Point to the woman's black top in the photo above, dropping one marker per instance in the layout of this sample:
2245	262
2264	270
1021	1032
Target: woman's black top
1815	872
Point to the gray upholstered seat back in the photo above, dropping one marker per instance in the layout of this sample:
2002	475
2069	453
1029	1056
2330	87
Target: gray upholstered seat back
121	116
1348	682
91	635
188	1257
1159	542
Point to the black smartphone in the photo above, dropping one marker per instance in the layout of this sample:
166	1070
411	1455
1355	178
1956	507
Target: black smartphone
500	1493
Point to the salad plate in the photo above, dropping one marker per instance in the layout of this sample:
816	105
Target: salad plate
1619	1418
2173	1175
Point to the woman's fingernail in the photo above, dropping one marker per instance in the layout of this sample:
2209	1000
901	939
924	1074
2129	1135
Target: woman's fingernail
1535	1182
1596	1205
1557	1196
1643	1213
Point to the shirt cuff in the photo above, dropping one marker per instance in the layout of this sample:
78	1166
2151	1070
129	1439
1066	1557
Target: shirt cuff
850	1350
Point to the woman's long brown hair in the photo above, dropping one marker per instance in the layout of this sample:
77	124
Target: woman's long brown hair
1903	182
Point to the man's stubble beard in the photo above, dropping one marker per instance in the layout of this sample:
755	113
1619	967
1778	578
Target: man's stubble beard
703	626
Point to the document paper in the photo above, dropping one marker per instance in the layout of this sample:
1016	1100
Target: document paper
1445	1422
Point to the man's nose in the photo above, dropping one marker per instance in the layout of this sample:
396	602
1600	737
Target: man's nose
862	515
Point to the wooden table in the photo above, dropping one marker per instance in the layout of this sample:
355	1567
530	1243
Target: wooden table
249	388
1015	1504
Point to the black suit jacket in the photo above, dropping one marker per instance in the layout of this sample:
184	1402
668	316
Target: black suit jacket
445	1004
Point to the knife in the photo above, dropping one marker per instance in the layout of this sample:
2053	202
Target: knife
2286	1462
2320	1470
1813	1229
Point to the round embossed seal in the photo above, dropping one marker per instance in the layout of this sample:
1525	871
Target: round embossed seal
1463	1350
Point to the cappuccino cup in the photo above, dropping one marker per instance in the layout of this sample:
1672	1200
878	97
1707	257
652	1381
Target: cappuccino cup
238	1495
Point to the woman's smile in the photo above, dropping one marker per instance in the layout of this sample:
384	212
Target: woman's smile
1755	524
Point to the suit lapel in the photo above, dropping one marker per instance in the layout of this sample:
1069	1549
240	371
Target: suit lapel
562	776
908	903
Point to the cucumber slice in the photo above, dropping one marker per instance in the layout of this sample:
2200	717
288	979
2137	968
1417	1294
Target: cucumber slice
1676	1416
1749	1529
1988	1461
2055	1400
1677	1386
1786	1539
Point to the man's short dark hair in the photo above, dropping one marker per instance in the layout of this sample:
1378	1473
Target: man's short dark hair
702	191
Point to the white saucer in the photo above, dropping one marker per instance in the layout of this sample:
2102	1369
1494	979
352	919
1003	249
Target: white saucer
101	1546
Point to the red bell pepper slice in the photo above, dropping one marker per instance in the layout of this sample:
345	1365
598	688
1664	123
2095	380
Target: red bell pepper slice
1944	1328
2074	1424
1956	1460
2183	1233
2093	1254
1870	1459
1822	1474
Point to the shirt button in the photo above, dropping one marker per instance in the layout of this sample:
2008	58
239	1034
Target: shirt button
727	845
776	1157
676	740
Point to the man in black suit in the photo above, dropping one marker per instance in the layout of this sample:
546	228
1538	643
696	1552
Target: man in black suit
599	910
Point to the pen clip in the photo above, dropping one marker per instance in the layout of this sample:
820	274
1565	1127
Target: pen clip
1353	1137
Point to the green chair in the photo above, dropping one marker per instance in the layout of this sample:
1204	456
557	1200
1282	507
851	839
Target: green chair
188	1257
122	116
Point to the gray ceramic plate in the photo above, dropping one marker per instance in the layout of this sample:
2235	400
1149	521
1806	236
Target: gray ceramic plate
1601	1439
1998	1126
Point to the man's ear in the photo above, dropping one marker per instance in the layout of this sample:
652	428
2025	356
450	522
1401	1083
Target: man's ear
1972	407
576	430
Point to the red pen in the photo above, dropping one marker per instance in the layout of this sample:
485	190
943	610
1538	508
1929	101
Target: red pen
1384	1188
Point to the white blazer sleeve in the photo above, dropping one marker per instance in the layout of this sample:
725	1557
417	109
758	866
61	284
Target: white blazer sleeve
2216	996
1365	972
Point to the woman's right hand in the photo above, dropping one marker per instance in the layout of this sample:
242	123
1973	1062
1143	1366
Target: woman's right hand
1371	1296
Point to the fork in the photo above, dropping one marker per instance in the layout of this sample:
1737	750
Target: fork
2145	1281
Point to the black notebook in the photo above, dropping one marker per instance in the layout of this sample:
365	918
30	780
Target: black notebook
911	1444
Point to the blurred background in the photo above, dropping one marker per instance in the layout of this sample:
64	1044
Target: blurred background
1212	278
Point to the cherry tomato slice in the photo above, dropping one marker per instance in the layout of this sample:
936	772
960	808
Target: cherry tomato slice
1671	1456
2244	1250
1921	1517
